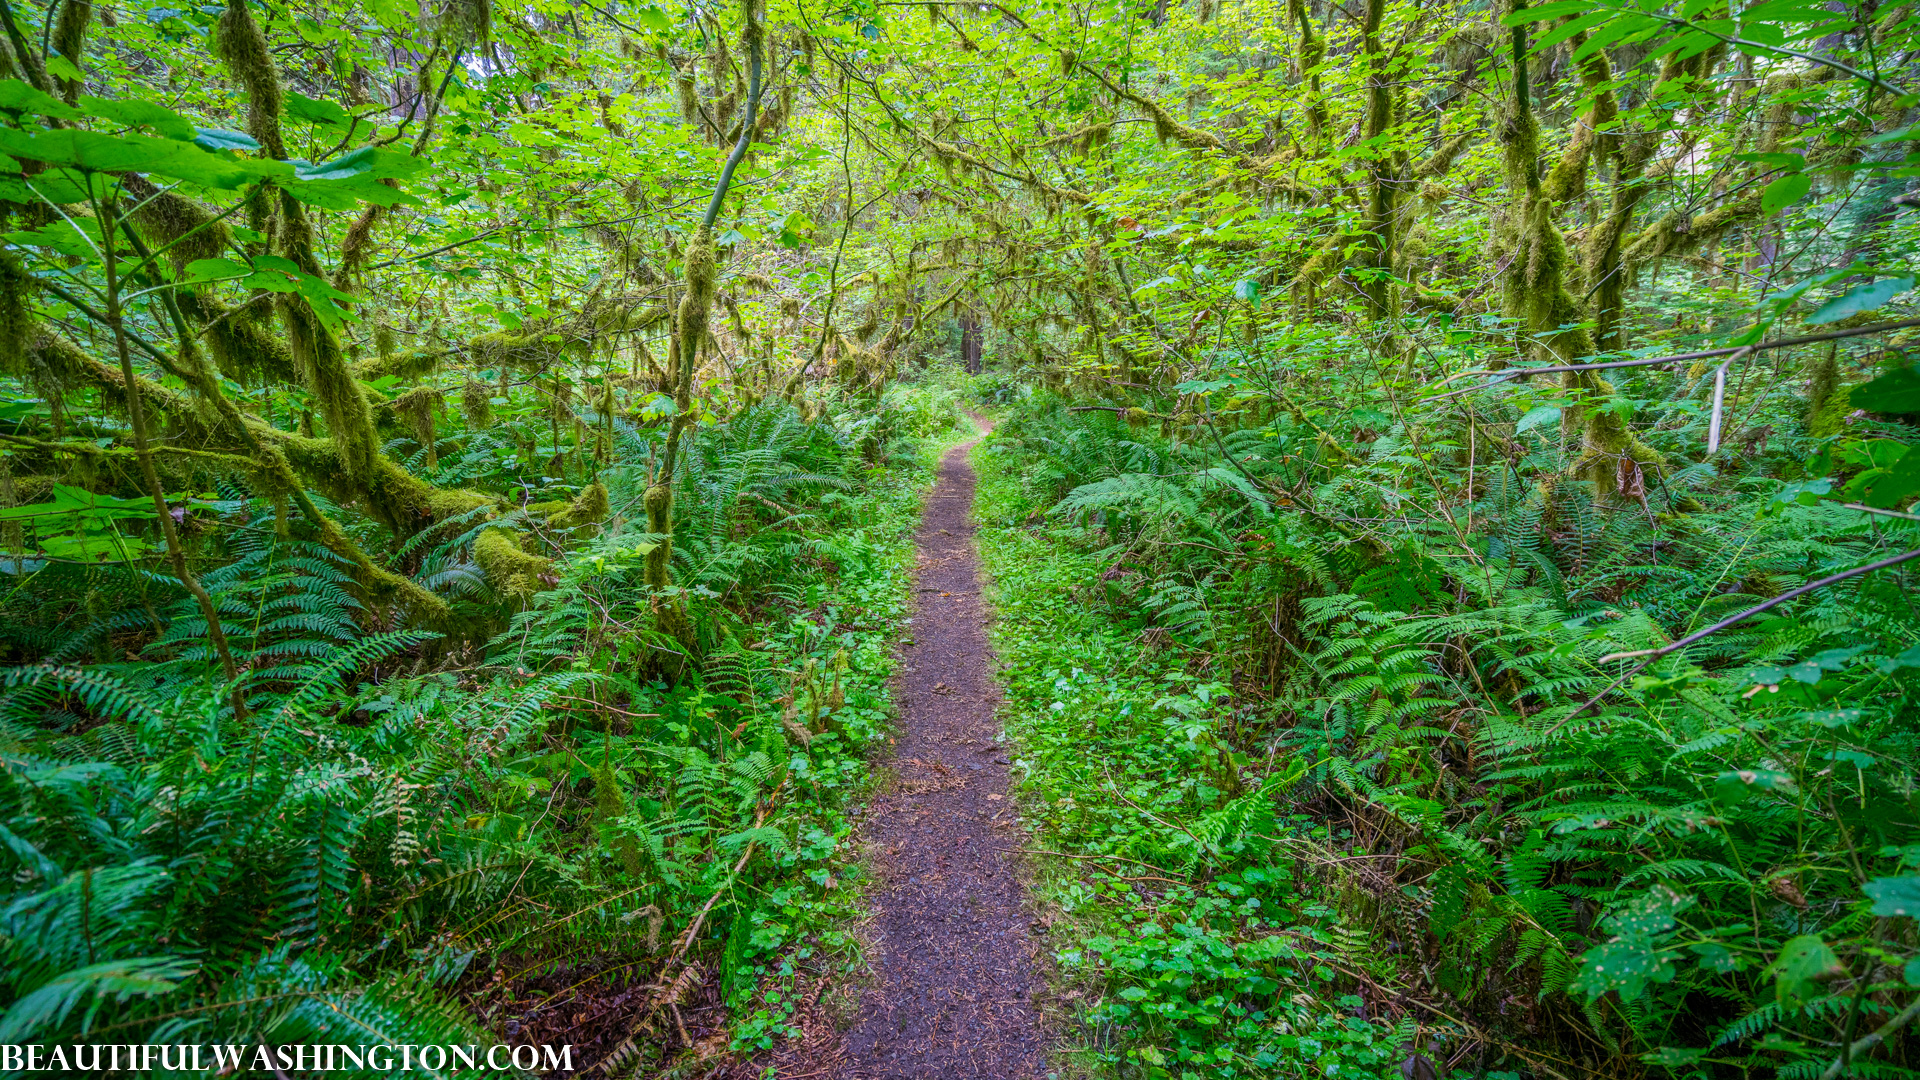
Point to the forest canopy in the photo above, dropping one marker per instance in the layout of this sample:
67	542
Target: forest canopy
1451	505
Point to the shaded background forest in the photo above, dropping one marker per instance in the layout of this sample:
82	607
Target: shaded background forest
456	462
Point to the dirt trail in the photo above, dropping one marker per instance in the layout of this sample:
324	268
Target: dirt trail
954	948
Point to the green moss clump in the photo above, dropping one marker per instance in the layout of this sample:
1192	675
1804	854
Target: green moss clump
411	364
523	352
589	509
395	497
610	804
1827	415
510	570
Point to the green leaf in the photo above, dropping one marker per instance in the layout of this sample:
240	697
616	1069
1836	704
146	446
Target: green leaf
1733	788
1907	659
131	112
653	19
1862	298
1536	416
1801	493
1626	966
347	194
1801	963
795	229
216	269
94	152
1674	1057
60	186
315	111
1558	9
273	273
1247	291
95	546
63	68
1806	672
1716	957
369	162
1895	392
49	1004
1894	895
1652	913
67	238
1568	29
1888	488
81	504
16	96
219	139
1784	192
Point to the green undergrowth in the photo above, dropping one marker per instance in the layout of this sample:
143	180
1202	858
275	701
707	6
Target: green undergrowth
407	837
1188	934
1395	761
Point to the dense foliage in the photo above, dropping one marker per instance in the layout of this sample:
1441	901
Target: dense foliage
457	460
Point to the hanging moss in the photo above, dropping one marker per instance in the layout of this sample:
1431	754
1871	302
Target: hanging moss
609	805
244	349
342	400
696	304
70	40
461	23
58	366
1832	414
510	570
659	505
476	405
683	85
238	41
185	229
417	408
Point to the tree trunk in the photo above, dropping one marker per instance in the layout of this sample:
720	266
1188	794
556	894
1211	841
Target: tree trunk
970	339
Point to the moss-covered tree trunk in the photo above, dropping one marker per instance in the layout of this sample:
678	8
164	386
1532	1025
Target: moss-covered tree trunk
691	331
1549	319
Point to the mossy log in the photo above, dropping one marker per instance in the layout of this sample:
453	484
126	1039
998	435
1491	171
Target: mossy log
508	567
584	513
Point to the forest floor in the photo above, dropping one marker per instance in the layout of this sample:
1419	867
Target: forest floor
953	949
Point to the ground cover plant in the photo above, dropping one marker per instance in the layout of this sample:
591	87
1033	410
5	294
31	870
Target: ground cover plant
1452	514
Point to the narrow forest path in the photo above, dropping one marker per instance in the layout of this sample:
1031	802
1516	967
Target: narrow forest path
954	952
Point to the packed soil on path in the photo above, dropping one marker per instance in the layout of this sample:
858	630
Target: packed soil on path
953	946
